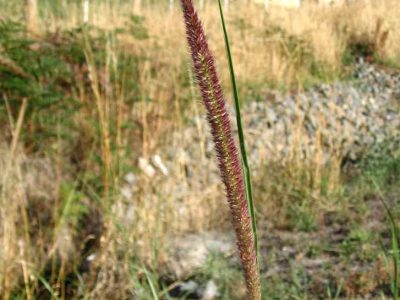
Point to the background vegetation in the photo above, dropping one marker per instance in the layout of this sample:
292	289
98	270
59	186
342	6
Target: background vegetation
82	104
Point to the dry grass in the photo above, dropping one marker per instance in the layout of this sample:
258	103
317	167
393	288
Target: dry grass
262	54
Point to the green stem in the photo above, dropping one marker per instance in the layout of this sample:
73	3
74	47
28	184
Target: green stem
246	169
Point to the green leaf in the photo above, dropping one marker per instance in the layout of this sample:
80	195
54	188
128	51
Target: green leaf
246	169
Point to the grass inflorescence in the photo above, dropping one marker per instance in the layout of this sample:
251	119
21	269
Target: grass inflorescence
227	154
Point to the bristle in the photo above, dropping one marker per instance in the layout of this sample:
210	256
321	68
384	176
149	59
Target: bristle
226	150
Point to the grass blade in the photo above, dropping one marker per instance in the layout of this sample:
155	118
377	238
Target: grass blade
395	245
151	284
395	251
48	287
246	169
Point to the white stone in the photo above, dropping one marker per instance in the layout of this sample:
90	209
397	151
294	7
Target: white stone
210	291
130	178
146	167
157	161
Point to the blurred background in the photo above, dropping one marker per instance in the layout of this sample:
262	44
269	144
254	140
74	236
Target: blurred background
109	186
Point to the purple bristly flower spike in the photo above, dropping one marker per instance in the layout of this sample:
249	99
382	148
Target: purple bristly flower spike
226	150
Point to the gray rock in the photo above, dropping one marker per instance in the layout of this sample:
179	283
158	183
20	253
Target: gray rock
210	291
190	252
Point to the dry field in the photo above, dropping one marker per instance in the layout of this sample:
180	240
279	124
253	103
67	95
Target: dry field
79	216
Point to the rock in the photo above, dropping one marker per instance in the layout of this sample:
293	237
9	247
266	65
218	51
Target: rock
210	291
190	252
351	117
146	167
158	162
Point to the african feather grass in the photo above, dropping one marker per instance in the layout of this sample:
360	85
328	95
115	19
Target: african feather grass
226	150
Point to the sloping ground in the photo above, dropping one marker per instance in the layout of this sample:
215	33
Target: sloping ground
329	245
312	135
339	119
343	258
315	241
320	236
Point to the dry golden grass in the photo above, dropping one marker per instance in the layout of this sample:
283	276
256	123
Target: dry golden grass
261	56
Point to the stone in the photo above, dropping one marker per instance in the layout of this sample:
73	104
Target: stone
190	252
